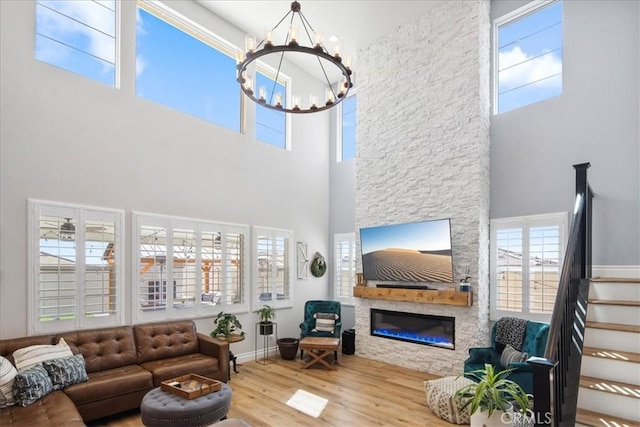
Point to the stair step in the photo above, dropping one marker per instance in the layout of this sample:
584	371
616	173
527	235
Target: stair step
615	279
614	326
595	419
615	302
622	356
608	386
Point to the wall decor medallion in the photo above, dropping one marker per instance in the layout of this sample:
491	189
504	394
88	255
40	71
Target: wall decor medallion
318	265
302	260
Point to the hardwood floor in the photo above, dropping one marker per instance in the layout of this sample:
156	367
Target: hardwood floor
361	392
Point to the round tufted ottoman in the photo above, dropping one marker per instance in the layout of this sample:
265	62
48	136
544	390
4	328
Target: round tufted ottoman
442	402
161	408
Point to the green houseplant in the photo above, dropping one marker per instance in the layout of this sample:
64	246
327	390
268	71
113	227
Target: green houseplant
491	398
226	324
266	313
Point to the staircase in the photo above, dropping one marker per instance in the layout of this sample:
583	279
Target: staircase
609	392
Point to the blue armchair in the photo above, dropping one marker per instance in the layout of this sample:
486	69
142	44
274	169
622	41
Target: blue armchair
535	342
309	323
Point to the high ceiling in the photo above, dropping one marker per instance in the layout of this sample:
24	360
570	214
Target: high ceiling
355	23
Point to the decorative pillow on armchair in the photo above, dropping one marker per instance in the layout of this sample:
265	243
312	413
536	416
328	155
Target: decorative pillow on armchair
66	371
31	385
325	322
511	355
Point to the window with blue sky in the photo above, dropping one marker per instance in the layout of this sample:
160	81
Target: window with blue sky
348	141
528	47
78	36
180	71
271	124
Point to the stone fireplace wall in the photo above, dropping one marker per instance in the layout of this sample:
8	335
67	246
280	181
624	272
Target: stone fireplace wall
423	153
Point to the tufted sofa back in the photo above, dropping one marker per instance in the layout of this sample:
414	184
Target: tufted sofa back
7	347
166	339
103	348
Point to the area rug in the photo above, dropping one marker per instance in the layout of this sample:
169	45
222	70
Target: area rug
307	402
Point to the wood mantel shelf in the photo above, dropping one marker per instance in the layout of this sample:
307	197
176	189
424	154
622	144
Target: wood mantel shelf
440	296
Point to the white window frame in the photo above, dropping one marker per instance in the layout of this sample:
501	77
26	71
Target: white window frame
559	219
514	15
273	233
286	81
338	239
140	219
80	213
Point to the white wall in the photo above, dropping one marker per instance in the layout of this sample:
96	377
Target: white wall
596	120
66	138
423	153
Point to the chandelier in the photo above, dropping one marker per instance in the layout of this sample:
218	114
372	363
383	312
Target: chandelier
332	96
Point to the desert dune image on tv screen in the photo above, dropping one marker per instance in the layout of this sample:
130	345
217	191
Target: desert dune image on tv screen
413	252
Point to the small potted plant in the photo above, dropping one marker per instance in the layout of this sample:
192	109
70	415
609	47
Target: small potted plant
266	313
226	325
464	282
491	399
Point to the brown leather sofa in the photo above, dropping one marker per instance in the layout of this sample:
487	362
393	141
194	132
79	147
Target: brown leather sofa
123	364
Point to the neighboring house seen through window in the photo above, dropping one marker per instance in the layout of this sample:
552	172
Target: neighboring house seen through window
526	262
528	55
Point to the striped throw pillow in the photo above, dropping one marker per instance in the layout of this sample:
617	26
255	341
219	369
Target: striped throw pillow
325	322
7	375
33	355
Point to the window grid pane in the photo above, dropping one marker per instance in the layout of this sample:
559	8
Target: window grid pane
544	268
184	269
211	255
271	124
529	60
78	36
100	269
349	106
509	269
265	260
153	268
235	249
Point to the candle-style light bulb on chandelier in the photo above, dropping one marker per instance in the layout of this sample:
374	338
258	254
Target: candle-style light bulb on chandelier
332	96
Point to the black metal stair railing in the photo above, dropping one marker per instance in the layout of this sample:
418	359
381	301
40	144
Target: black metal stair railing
556	376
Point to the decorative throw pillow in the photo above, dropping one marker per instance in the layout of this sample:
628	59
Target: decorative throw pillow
325	322
66	371
31	385
511	355
36	354
7	375
442	401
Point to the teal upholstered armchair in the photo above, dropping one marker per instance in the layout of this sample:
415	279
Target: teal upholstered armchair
308	326
534	344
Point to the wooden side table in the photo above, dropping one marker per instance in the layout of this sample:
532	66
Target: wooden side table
232	357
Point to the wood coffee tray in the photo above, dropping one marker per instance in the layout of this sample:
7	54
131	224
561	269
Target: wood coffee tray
191	386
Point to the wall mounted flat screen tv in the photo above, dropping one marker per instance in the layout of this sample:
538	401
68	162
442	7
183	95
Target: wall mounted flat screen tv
412	252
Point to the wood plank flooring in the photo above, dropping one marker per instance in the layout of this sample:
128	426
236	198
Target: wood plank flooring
361	392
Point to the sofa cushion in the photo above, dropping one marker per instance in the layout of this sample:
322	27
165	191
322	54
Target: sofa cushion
7	347
103	349
172	367
165	340
7	374
31	385
55	409
25	358
66	371
511	355
112	382
325	322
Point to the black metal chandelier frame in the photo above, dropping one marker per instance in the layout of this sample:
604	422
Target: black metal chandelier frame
319	51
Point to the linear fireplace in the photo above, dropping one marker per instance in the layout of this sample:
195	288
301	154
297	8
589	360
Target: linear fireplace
438	331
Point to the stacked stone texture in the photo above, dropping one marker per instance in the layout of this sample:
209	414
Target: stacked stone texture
423	153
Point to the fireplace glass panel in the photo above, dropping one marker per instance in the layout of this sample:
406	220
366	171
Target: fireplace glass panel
425	329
